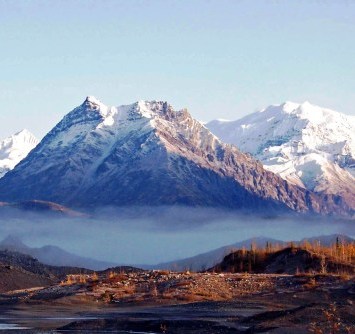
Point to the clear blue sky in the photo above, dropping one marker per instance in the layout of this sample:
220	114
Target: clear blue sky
220	59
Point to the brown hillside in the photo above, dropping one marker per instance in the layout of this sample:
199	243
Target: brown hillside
290	260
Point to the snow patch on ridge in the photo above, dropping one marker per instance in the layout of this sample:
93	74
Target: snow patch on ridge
15	148
308	145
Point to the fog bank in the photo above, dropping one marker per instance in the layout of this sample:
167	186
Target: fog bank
152	235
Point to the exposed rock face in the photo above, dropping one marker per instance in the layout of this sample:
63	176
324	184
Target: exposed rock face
307	145
147	153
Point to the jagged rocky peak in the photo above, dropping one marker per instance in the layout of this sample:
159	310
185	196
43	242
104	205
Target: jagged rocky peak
90	111
93	110
160	109
146	153
92	100
148	110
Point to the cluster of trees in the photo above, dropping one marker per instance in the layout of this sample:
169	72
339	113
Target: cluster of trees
255	259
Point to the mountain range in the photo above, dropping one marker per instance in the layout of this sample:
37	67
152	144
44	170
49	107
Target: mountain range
307	145
147	153
203	261
56	256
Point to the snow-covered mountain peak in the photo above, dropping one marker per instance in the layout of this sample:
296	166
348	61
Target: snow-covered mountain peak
15	148
18	141
287	107
23	132
147	153
24	136
156	109
92	99
308	145
305	110
94	104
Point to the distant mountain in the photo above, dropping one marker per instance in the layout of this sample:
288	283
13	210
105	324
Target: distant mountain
53	255
307	145
147	153
209	259
15	148
328	240
19	271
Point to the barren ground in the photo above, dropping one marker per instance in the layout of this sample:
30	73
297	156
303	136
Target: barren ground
166	302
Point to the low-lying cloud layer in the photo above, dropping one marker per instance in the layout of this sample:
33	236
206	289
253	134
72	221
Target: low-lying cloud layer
151	235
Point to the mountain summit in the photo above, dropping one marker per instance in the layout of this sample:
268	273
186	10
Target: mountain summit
14	148
146	153
307	145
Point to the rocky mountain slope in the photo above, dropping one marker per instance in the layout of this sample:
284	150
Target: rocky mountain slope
203	261
147	153
15	277
307	145
32	208
22	271
15	148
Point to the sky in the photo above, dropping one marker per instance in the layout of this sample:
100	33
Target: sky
218	58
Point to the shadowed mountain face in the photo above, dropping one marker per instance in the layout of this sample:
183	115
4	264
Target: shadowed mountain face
149	154
52	255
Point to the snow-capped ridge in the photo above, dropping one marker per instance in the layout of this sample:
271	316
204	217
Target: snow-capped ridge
148	153
15	148
307	145
92	99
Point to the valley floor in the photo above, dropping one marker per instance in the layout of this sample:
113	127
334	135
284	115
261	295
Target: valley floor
166	302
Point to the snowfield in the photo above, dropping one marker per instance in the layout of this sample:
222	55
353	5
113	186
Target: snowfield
15	148
306	145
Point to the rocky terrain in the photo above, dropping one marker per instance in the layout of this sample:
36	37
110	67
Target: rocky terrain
19	271
130	299
168	302
147	153
305	144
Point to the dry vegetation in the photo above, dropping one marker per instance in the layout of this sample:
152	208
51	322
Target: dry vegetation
317	297
228	280
307	257
160	286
